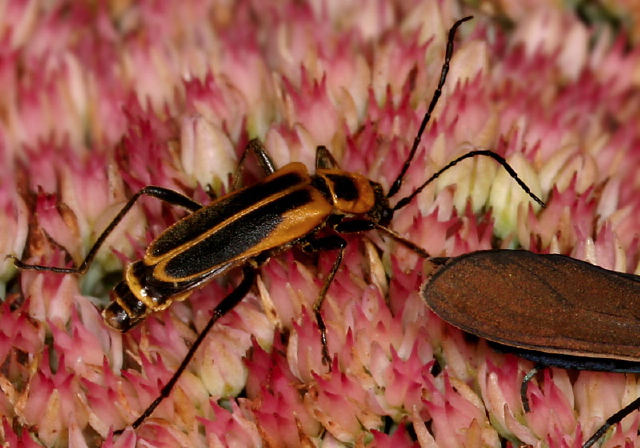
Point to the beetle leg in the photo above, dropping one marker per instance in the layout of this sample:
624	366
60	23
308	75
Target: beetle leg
362	226
439	261
354	226
325	160
358	226
405	242
164	194
262	157
312	245
228	303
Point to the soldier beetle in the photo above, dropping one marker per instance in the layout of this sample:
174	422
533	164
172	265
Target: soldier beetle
243	229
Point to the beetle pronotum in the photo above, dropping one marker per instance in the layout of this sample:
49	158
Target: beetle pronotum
551	309
243	229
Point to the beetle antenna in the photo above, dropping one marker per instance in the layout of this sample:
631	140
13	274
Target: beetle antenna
395	187
481	152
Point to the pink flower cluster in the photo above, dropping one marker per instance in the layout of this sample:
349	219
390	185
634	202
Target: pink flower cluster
100	99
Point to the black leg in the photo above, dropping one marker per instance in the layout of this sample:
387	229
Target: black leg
614	419
227	304
358	226
331	242
164	194
256	147
525	384
405	242
325	160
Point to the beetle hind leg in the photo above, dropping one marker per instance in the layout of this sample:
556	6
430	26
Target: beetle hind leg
164	194
226	305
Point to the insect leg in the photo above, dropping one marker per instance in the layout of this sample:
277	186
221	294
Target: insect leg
227	304
358	226
262	157
614	419
405	242
330	242
525	384
164	194
325	160
336	242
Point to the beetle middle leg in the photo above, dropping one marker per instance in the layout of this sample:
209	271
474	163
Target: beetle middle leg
263	158
249	275
313	245
164	194
404	241
336	242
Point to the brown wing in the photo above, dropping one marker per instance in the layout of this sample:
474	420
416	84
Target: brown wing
549	303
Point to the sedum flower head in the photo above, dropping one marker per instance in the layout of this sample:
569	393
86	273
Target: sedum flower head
102	99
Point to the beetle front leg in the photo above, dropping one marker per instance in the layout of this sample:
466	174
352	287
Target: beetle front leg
227	304
358	226
405	242
325	160
331	242
164	194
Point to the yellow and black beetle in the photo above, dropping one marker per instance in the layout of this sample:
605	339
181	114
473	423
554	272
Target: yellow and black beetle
288	207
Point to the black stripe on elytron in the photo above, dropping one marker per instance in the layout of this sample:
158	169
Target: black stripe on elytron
194	225
236	238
